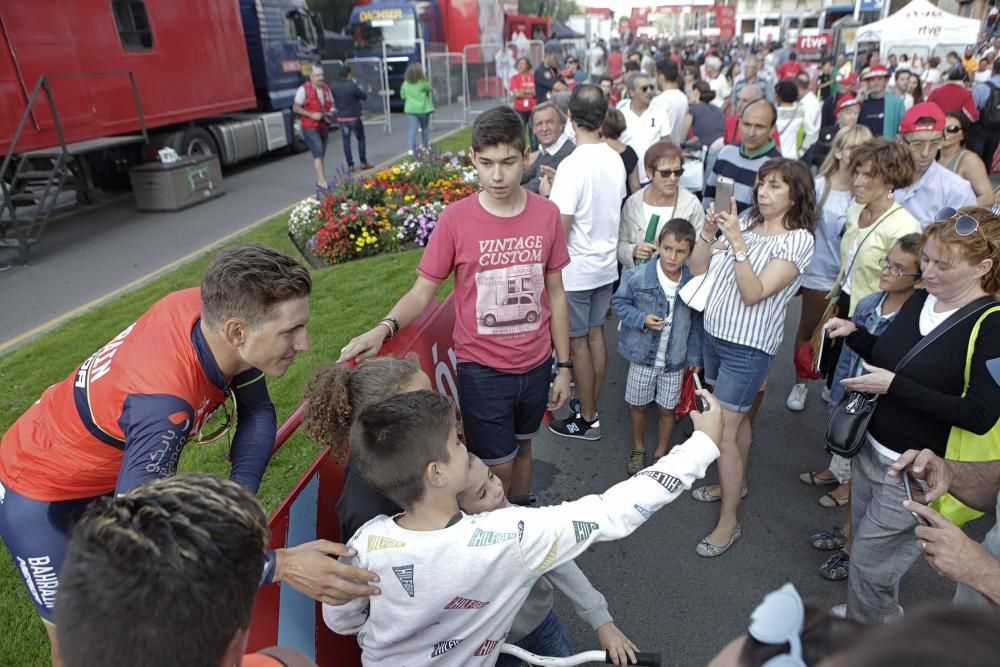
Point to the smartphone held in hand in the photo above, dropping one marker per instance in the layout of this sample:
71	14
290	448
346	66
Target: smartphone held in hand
905	478
699	401
724	194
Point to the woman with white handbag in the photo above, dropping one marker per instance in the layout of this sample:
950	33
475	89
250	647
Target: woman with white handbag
752	272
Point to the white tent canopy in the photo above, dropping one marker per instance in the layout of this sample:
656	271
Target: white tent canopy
923	28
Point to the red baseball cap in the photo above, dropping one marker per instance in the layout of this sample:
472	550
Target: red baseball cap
933	119
849	78
845	101
877	71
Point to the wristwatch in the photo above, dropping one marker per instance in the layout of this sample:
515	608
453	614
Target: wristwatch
740	256
565	364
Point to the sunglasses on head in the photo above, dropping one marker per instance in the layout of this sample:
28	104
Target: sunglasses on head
667	173
965	224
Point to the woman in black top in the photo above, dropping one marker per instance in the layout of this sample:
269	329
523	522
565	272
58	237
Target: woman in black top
919	405
611	130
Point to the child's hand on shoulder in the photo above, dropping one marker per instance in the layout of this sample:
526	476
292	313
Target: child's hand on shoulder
654	322
614	641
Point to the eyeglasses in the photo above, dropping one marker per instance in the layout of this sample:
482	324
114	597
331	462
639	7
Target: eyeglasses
667	173
953	129
645	89
921	146
895	270
777	620
965	224
229	418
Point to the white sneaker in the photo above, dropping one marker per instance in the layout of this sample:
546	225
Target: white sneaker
825	395
797	398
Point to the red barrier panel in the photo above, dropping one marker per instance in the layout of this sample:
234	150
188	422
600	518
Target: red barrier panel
281	615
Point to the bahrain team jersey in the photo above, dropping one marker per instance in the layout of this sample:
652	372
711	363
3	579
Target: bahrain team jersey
147	390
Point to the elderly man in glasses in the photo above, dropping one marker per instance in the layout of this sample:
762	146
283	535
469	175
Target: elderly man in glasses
936	187
644	124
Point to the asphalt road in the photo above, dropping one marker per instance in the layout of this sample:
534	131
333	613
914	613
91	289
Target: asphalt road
87	253
661	594
664	596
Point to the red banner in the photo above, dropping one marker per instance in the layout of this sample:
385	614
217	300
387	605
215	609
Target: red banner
725	20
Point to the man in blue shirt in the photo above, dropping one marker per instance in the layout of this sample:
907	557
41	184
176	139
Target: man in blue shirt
922	130
547	77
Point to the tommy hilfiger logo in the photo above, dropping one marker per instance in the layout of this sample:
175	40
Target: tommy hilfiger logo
485	538
583	529
378	542
487	647
668	482
443	647
643	511
465	603
405	575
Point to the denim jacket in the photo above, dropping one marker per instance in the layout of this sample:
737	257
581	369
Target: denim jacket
640	294
865	316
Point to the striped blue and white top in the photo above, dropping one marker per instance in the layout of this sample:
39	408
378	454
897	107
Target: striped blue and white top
760	326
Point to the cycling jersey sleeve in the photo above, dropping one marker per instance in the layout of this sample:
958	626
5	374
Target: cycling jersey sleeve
155	426
256	426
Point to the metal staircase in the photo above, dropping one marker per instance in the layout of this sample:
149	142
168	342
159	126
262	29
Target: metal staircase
30	183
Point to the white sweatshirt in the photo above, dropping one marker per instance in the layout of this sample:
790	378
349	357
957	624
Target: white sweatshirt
449	596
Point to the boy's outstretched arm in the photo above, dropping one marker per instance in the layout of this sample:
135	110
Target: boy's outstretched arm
550	536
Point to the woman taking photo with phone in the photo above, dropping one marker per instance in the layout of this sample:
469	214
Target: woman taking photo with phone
920	402
761	260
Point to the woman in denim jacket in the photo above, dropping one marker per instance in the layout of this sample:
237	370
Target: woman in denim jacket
659	335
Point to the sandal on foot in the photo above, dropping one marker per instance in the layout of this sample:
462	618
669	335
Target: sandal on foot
836	566
706	549
813	479
702	495
636	461
830	501
829	540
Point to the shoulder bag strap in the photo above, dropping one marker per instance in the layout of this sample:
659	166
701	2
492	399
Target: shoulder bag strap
966	311
870	232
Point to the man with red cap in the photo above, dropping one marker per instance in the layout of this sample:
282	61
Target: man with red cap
881	111
935	187
846	87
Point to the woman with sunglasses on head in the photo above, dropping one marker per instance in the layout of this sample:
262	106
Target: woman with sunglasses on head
759	261
957	158
656	203
920	401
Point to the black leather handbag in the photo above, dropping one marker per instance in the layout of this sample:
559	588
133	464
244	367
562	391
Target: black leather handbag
848	424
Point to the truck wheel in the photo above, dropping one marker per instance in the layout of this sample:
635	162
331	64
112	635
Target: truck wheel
196	142
531	317
489	320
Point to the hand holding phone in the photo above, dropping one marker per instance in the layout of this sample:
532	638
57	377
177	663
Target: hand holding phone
724	187
699	401
905	478
819	352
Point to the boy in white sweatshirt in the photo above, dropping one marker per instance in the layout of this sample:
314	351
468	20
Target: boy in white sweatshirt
452	583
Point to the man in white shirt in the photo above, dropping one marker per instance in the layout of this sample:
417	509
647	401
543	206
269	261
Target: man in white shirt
672	100
644	124
812	111
588	188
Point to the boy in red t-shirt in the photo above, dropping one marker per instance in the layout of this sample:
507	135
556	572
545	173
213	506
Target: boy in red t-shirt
507	249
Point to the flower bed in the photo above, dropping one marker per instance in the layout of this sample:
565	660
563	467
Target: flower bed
396	207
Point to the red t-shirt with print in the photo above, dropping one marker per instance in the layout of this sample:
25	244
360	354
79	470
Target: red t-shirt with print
501	308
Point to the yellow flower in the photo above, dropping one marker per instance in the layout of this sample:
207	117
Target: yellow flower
352	236
388	191
395	170
368	186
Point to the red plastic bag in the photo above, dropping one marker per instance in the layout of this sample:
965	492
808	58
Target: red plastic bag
805	366
686	404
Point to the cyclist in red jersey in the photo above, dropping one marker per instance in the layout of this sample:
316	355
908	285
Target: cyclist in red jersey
132	594
123	417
